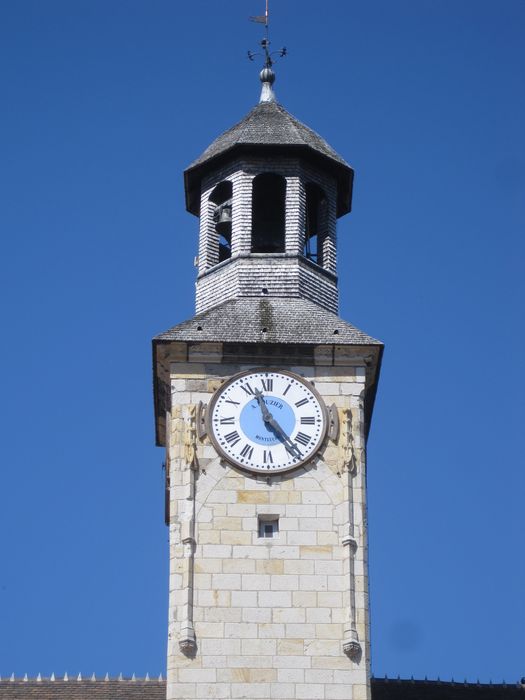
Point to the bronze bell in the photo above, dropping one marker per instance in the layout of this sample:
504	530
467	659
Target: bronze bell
222	217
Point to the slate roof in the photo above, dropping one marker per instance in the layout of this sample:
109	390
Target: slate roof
156	690
270	126
269	123
82	690
387	689
286	320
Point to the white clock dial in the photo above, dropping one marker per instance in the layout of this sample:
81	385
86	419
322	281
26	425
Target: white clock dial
267	421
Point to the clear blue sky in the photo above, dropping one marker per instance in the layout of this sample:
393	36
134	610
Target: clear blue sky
104	103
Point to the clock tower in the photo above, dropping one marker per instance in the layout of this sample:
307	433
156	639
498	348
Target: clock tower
263	403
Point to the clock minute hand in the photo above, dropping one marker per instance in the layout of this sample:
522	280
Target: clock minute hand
277	428
274	425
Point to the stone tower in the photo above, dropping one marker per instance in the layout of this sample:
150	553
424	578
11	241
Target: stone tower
263	402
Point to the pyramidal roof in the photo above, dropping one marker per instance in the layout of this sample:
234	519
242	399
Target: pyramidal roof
270	126
269	123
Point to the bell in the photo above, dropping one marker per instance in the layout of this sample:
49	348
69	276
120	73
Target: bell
222	217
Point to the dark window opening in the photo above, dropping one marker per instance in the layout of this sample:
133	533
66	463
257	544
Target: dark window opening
315	223
221	197
268	526
268	213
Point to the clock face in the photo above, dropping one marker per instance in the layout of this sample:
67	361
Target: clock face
267	421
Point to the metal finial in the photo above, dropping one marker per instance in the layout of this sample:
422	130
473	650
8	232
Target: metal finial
267	76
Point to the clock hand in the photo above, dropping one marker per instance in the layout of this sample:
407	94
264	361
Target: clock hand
277	429
274	425
267	416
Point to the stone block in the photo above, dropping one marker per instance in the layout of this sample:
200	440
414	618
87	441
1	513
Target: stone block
309	691
329	631
330	599
209	630
316	552
322	647
323	615
282	691
291	675
244	599
298	566
298	537
339	692
261	647
285	615
251	497
238	566
269	630
291	647
269	566
255	582
251	551
250	691
240	630
301	630
312	583
318	675
275	599
284	583
233	537
213	691
256	614
304	599
197	675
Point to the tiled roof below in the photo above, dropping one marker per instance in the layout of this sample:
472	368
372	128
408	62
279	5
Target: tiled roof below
82	690
388	689
382	689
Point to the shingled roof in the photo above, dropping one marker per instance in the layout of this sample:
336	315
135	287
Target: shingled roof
156	690
269	125
268	320
60	689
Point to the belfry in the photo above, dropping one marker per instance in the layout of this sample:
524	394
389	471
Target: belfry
263	403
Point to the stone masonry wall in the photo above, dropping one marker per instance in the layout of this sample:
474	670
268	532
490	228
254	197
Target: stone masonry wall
270	617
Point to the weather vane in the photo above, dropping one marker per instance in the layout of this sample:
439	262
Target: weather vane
265	43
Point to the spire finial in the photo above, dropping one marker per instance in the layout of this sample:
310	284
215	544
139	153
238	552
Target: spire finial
267	76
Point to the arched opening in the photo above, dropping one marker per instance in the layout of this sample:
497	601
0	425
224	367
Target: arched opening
268	213
315	223
221	197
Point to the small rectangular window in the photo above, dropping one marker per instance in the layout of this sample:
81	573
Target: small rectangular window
268	526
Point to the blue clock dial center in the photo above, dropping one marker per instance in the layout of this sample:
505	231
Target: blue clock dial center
257	430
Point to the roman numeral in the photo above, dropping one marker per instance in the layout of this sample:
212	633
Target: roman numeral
287	389
232	438
308	420
247	451
303	439
268	456
267	384
247	388
227	421
235	403
302	402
